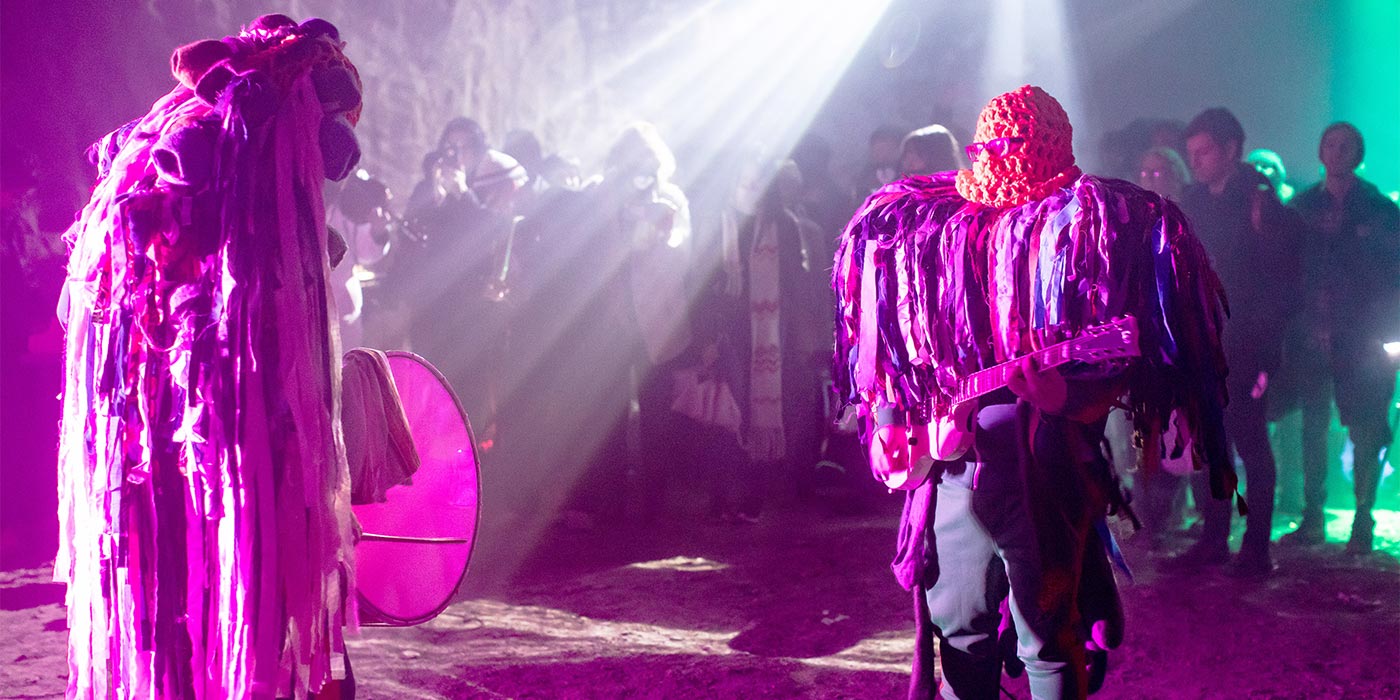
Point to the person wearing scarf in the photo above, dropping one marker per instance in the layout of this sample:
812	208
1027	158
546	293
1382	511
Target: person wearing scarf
763	281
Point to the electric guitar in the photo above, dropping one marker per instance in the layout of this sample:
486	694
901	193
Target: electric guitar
910	451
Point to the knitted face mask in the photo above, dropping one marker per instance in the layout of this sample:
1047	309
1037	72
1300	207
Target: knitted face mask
1023	150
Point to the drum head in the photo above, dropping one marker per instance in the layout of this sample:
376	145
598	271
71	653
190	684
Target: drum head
416	545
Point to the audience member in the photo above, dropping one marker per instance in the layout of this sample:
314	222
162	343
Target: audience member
459	218
1164	172
931	149
764	295
1270	165
1352	291
881	161
1159	495
1249	236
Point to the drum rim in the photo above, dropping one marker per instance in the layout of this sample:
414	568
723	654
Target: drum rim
382	619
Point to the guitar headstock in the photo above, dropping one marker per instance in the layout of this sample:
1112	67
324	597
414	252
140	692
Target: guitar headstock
1110	341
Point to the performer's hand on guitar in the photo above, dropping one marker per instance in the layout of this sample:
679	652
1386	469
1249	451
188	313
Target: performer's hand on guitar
1044	389
889	451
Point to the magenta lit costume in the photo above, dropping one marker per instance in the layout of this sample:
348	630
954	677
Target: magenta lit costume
940	276
206	536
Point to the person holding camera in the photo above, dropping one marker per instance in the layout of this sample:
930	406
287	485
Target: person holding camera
458	223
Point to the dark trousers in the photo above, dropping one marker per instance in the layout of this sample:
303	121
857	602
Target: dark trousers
659	435
1315	401
1363	385
1000	534
1246	427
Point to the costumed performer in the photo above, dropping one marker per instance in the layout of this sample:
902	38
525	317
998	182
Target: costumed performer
942	276
206	533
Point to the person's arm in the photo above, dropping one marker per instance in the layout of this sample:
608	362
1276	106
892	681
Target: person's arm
1049	391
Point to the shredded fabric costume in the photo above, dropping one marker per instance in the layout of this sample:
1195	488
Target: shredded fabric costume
940	276
921	269
206	534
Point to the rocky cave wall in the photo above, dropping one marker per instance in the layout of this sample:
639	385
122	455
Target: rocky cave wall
75	70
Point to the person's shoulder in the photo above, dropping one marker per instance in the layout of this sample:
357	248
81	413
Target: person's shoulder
918	188
1140	204
1194	193
1113	189
1308	196
1114	185
1373	196
1249	183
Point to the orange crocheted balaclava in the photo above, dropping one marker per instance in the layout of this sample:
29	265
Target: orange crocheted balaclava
1030	169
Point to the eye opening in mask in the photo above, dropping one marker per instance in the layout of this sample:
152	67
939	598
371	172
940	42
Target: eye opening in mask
996	148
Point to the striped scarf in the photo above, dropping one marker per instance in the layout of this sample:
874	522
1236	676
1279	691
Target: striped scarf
765	440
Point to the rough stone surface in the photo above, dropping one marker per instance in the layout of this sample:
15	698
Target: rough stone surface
802	605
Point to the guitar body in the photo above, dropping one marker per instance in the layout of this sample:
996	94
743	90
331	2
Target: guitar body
947	437
901	457
950	434
910	478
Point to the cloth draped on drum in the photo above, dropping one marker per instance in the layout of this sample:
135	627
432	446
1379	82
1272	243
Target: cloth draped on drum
378	443
206	533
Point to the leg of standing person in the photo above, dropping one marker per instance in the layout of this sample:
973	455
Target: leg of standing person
1213	545
1364	389
993	543
657	428
1044	553
1246	420
964	602
1366	471
1316	403
801	424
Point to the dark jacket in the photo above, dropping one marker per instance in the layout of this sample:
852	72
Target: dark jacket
1252	241
1351	258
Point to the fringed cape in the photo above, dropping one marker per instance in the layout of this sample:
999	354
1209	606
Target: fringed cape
932	287
204	498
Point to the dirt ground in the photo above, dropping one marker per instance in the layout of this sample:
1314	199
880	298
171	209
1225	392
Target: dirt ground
802	605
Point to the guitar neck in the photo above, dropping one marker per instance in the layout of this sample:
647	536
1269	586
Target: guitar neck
983	382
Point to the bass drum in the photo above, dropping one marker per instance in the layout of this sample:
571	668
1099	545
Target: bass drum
414	552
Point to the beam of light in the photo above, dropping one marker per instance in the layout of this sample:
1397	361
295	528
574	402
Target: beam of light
1364	75
1028	43
756	70
888	652
680	563
728	73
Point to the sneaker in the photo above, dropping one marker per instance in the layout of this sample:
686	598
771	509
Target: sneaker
1200	555
1251	565
1309	532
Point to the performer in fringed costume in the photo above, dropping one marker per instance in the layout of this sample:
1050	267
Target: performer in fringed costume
204	494
937	278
